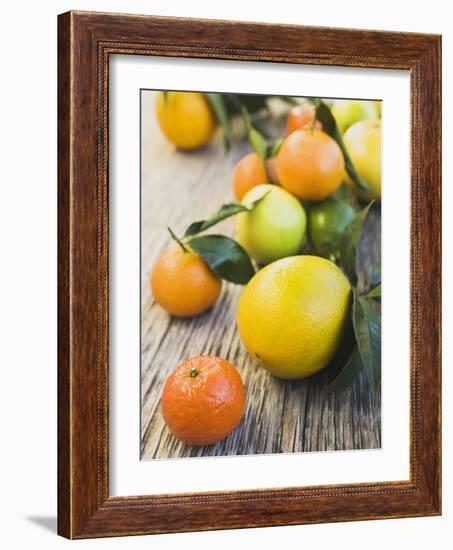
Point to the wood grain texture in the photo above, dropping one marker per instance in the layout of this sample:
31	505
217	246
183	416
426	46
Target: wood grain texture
85	42
281	416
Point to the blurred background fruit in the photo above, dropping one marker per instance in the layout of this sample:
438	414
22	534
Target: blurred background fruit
203	400
248	172
271	165
301	117
363	142
293	313
185	118
326	222
310	165
378	108
348	111
275	228
182	283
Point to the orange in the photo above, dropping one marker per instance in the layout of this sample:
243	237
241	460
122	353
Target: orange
310	165
248	172
300	117
271	165
293	313
203	400
183	283
185	118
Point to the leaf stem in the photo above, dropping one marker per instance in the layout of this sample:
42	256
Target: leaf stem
316	102
175	238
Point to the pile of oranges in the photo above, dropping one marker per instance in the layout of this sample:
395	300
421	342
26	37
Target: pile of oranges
293	312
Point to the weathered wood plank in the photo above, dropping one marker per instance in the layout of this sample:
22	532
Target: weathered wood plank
281	416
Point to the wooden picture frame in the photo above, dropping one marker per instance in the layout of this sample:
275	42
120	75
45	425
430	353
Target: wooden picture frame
85	42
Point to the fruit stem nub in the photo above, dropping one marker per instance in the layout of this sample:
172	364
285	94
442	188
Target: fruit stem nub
316	103
175	238
193	372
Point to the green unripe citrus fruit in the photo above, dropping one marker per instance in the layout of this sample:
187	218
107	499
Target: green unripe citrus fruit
347	112
326	222
275	228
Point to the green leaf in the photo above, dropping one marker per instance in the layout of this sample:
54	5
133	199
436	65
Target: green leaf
341	194
348	373
375	292
274	148
349	240
256	139
225	257
258	142
329	125
217	103
225	211
366	320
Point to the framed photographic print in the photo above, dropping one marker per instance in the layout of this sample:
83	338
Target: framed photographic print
249	275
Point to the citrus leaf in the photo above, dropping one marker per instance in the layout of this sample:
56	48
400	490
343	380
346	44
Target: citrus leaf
218	106
274	148
256	139
225	211
341	194
225	257
366	320
258	142
329	125
349	240
375	292
348	373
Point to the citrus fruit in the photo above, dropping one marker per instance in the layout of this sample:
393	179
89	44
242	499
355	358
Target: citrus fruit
326	222
248	172
292	315
310	165
182	282
363	142
203	400
271	165
378	105
300	117
275	228
185	118
347	112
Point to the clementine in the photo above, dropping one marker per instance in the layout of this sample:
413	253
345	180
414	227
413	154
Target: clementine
248	172
183	283
185	118
301	117
203	400
310	165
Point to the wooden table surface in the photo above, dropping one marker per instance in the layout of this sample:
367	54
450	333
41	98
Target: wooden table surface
281	416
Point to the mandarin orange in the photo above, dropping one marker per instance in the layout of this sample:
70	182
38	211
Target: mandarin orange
183	283
310	165
248	172
203	400
301	117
